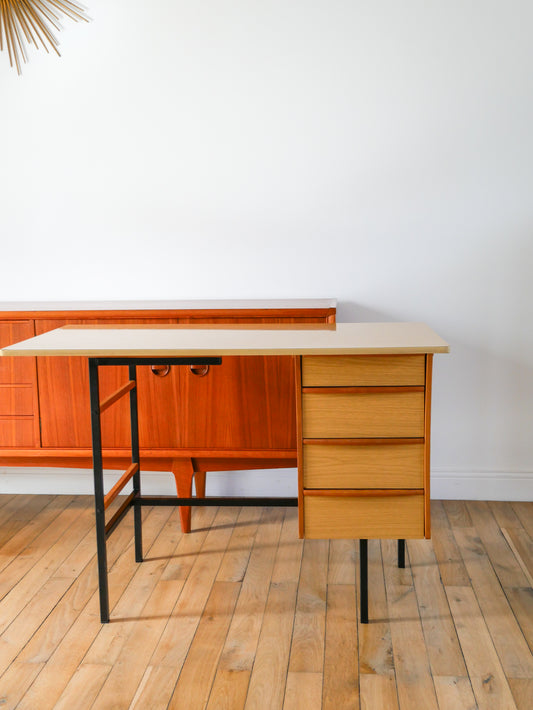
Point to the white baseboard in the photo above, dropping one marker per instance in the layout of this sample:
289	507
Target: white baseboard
453	484
74	481
446	484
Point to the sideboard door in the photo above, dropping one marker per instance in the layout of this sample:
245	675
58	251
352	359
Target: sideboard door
244	403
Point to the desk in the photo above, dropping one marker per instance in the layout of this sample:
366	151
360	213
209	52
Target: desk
363	419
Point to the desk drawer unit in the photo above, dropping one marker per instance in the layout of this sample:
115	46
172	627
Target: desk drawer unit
363	464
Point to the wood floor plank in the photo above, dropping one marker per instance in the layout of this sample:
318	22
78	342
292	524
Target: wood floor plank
51	634
521	601
5	498
20	631
139	640
19	511
451	567
341	677
375	642
242	614
504	515
504	562
229	690
454	693
290	548
442	644
413	671
19	546
304	692
109	642
457	513
489	683
522	690
379	692
196	678
522	547
269	674
155	689
15	682
243	635
175	641
26	574
83	687
506	635
342	560
524	511
37	517
235	560
128	671
307	648
190	544
70	652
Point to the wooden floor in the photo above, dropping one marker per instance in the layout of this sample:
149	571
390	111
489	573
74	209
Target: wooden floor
242	614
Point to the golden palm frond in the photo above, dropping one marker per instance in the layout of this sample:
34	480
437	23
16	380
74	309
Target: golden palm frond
25	22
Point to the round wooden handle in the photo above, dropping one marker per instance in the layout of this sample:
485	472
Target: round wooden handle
160	370
199	370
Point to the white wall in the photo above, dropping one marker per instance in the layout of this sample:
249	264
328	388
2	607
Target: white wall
378	152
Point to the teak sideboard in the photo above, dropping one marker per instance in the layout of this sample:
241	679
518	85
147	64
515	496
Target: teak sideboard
237	416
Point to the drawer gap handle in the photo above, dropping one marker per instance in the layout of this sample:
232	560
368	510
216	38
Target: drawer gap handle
199	370
362	492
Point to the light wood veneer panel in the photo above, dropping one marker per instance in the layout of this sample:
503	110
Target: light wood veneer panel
364	517
363	370
363	466
384	414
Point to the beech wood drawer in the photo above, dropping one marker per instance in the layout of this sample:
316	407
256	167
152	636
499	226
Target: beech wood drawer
363	415
349	517
363	466
363	370
16	400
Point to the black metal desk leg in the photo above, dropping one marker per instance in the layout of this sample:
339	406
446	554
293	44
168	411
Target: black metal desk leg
401	553
98	473
363	568
135	458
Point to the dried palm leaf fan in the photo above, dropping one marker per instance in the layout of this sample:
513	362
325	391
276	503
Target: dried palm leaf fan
29	22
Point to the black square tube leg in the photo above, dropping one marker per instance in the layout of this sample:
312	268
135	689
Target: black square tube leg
363	568
135	458
401	553
98	473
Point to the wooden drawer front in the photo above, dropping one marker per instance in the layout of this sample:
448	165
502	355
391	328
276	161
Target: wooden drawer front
363	466
363	370
16	400
15	370
365	415
17	431
364	517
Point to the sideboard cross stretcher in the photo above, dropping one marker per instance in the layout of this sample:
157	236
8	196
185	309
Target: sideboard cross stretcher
363	413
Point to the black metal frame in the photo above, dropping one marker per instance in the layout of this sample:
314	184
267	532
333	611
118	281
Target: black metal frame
136	500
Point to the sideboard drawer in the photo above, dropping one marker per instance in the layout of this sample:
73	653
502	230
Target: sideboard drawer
368	414
347	516
17	432
363	465
363	370
16	400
